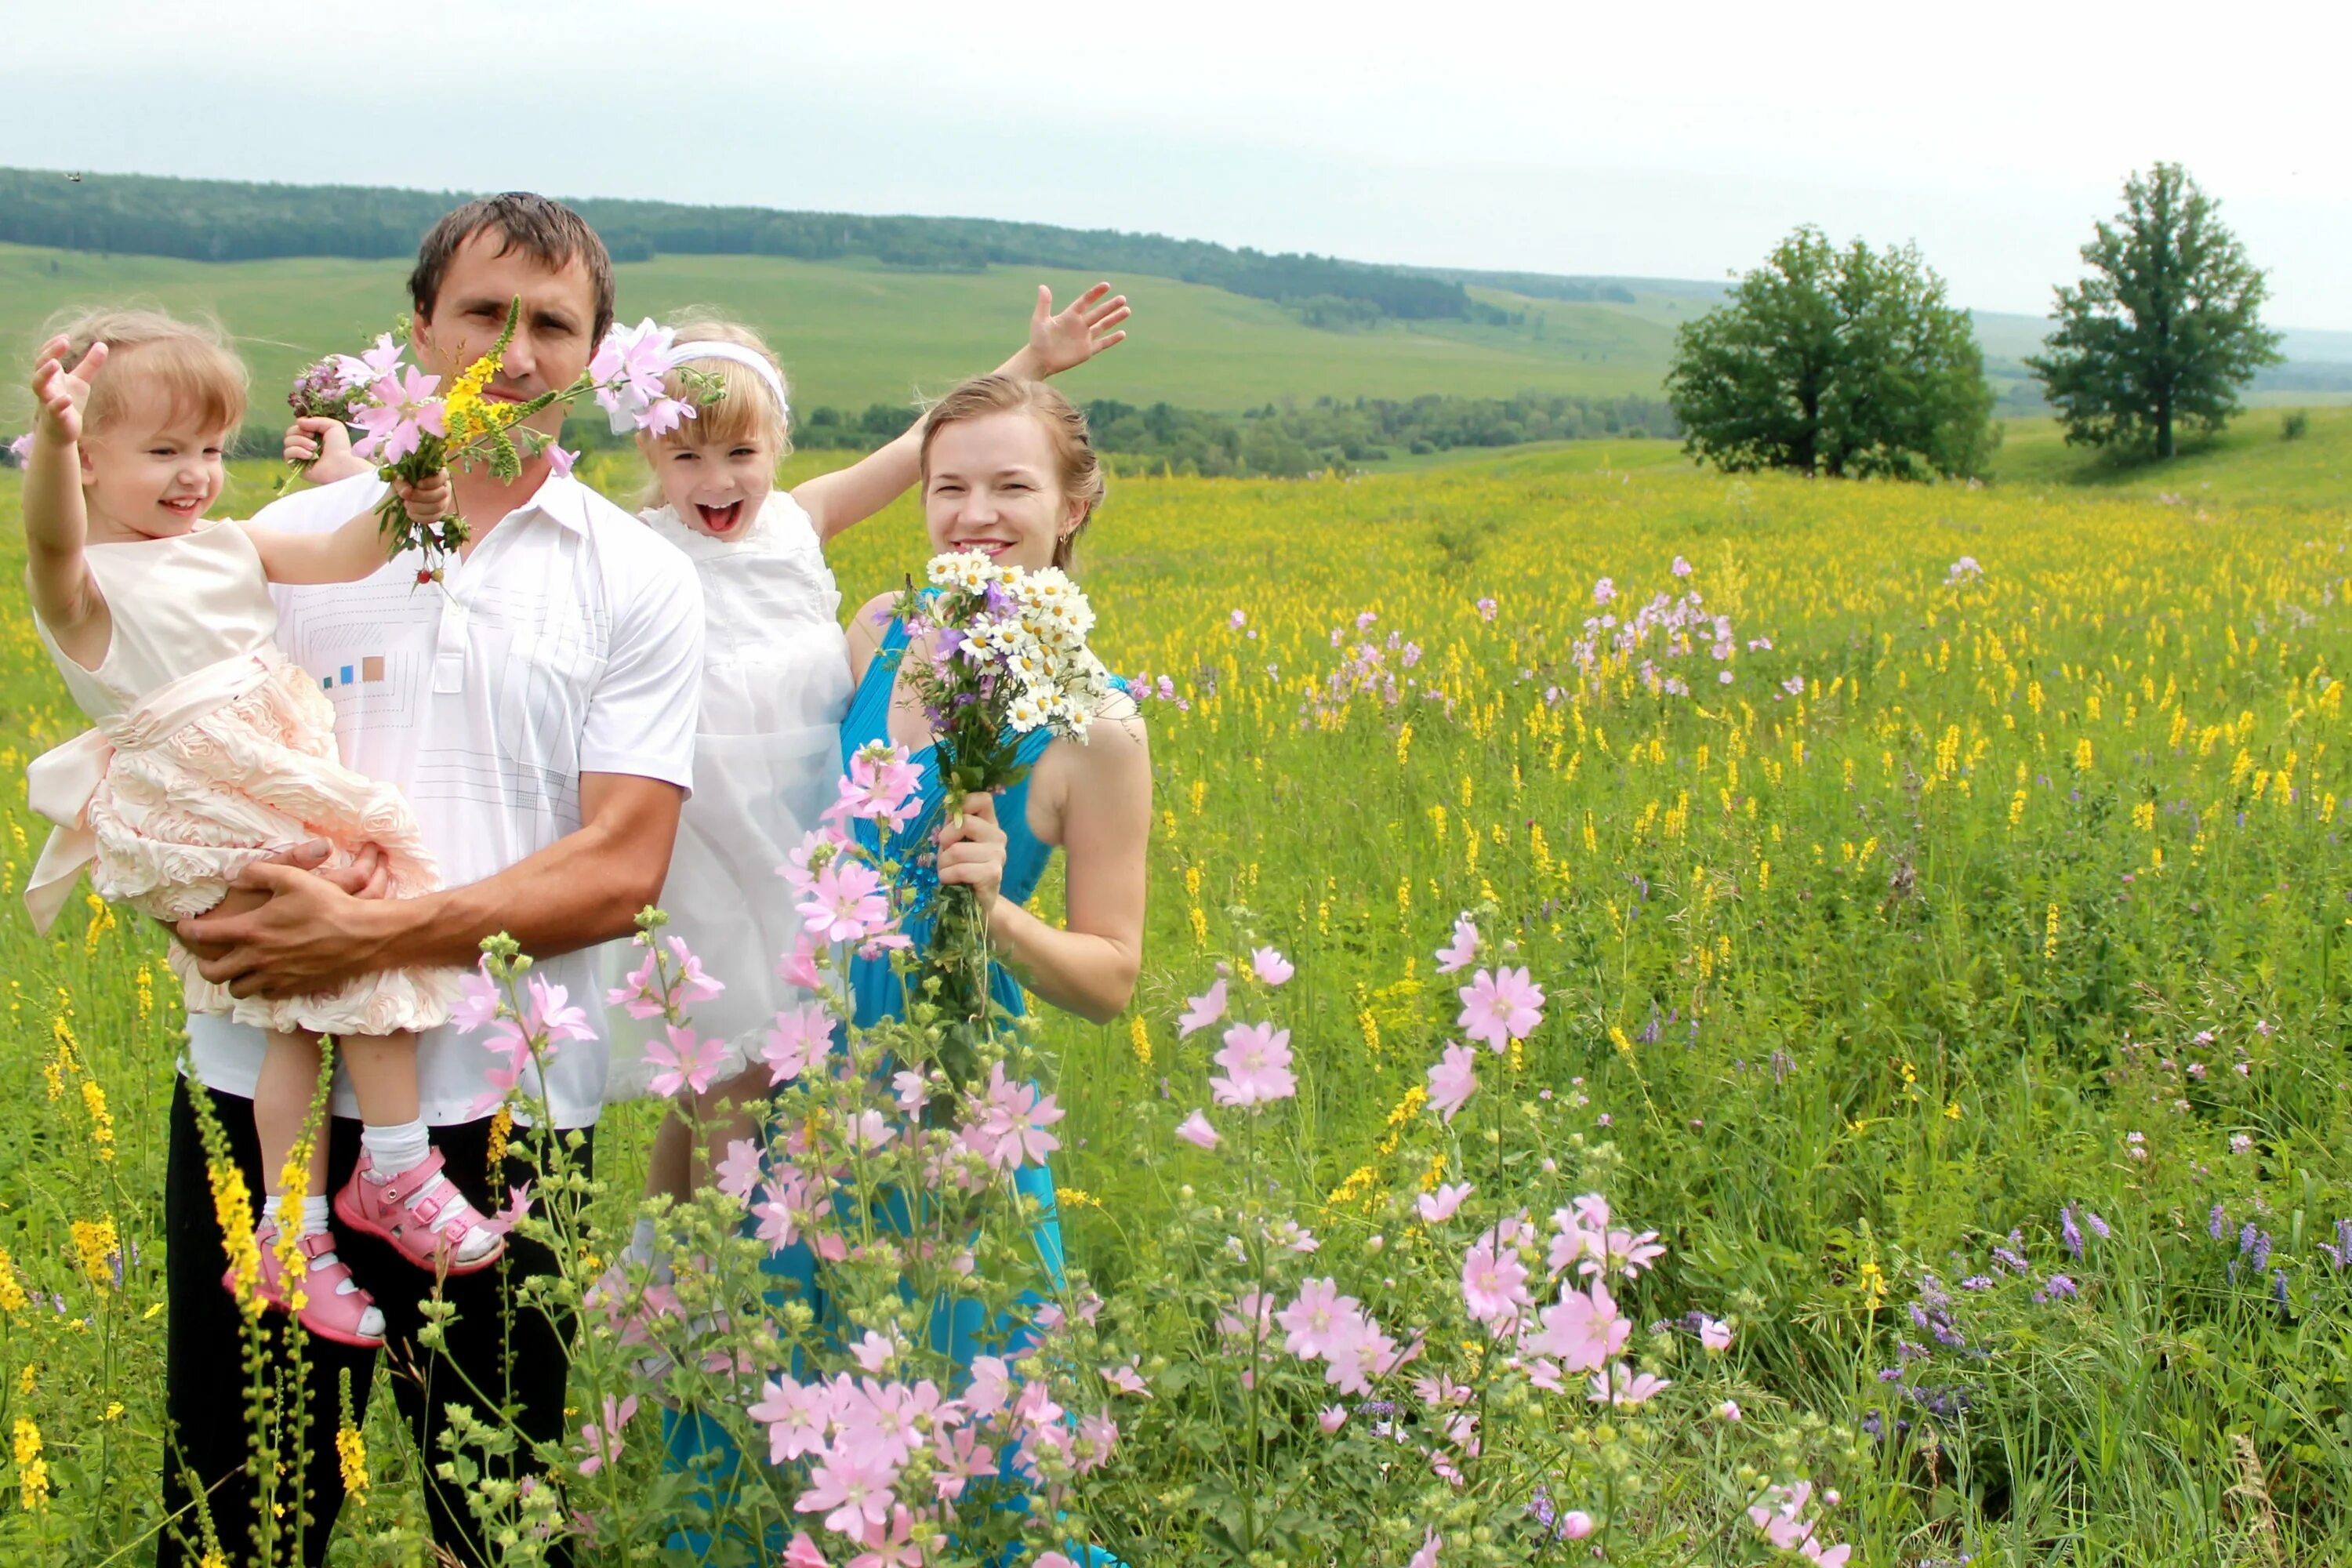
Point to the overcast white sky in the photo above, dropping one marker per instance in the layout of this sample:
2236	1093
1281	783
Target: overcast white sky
1669	141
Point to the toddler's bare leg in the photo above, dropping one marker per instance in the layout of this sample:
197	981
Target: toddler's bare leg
384	1076
731	1112
669	1168
282	1104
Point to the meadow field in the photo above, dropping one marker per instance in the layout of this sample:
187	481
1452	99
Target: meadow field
855	332
1953	969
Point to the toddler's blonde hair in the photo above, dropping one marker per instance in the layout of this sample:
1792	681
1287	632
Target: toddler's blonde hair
190	361
750	409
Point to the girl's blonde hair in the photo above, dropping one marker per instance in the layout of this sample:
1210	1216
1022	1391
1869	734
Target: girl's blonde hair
190	361
1076	467
749	408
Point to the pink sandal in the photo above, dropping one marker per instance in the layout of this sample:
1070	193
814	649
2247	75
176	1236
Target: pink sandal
422	1215
334	1307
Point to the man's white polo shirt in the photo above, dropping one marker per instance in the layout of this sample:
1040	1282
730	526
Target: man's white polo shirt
570	641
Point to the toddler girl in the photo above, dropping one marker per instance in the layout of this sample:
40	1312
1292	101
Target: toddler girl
212	751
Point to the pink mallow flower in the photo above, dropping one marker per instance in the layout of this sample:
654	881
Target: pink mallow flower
603	1437
1437	1207
800	1040
1493	1285
685	1061
1500	1007
1452	1081
851	1491
1202	1011
693	984
1195	1130
1320	1322
639	995
1256	1059
1621	1385
882	786
1427	1556
1011	1131
1464	950
1270	966
404	411
1583	1329
845	903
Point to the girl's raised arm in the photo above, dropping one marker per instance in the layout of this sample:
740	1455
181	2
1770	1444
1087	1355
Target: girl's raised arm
1057	342
56	524
349	553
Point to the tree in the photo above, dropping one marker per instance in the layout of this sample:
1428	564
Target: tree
2165	329
1837	362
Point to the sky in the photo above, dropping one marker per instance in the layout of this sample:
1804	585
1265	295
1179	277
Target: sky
1650	141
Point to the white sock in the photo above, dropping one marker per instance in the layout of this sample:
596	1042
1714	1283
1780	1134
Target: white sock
314	1215
395	1147
641	1241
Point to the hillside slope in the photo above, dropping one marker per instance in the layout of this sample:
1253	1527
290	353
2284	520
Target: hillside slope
854	333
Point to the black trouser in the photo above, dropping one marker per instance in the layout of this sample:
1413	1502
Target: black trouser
206	1385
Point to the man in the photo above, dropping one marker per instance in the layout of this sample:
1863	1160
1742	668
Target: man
537	706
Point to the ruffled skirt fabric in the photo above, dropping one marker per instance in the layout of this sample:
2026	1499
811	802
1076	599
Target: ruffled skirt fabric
179	820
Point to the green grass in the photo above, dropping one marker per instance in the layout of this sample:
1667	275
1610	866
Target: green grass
2248	464
1864	982
851	333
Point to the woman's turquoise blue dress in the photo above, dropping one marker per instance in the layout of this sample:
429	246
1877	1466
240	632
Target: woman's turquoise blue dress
876	995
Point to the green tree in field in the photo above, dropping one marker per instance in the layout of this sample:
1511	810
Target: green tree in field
1839	362
2164	329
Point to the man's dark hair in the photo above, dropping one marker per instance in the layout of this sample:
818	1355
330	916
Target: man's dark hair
546	231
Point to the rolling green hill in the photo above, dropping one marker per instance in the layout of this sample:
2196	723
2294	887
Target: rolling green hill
853	331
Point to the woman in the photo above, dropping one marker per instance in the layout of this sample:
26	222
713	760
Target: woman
1007	470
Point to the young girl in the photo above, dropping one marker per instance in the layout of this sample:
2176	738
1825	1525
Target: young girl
775	685
212	751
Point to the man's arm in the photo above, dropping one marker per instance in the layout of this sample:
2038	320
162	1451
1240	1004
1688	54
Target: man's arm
585	888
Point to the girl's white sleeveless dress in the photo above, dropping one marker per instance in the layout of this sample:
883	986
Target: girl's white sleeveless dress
767	763
212	751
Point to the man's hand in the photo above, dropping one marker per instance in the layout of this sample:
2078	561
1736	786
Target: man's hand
285	929
62	393
1064	340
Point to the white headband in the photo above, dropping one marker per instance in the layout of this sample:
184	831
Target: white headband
736	353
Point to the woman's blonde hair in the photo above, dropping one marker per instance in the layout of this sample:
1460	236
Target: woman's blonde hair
190	361
1076	467
749	408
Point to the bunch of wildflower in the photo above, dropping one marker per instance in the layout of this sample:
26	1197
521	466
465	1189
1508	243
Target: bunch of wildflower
1779	1512
1366	668
1666	636
413	429
838	1370
999	652
336	387
1440	1356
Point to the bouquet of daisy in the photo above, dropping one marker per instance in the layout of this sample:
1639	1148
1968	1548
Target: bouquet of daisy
1007	656
414	430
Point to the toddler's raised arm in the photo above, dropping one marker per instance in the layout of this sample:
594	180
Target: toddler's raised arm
1057	342
56	523
349	553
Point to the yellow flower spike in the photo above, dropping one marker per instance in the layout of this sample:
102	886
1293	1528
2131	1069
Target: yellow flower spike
1139	1036
32	1470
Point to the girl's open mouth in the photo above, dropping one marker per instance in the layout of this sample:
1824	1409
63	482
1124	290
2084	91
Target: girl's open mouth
721	519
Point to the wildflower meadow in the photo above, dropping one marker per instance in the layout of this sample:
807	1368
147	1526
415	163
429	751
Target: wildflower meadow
1685	1020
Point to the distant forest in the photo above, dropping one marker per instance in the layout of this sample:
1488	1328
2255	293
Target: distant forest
1288	440
226	220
